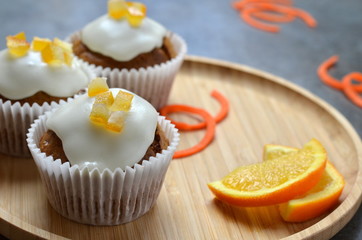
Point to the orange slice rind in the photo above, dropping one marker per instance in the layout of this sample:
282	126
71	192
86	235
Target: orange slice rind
274	181
322	197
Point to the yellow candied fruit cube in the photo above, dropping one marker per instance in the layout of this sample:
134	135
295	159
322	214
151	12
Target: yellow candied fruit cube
136	13
68	58
39	44
117	9
17	45
105	98
122	102
67	48
64	45
53	55
99	114
97	86
116	121
20	35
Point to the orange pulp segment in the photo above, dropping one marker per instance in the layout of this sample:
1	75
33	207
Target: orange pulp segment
316	201
275	181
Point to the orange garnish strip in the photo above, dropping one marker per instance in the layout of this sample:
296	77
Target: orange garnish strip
210	129
351	90
218	118
209	122
273	17
251	9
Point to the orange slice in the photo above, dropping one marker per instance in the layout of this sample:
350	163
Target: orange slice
274	181
316	201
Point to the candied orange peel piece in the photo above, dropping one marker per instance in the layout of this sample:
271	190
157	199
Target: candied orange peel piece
17	44
97	86
122	101
116	121
105	98
38	44
134	12
99	114
53	55
117	9
107	111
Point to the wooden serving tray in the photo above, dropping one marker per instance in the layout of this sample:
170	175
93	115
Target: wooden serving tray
263	109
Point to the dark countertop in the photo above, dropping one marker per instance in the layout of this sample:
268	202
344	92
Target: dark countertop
213	29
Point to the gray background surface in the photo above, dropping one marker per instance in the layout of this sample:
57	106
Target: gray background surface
212	28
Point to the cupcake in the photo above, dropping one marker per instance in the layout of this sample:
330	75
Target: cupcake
34	78
133	51
103	156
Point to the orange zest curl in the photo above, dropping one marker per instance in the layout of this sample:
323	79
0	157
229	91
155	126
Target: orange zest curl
210	129
209	122
346	85
351	90
258	12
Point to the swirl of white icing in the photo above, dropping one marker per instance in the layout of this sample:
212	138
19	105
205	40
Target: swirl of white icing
120	41
22	77
88	145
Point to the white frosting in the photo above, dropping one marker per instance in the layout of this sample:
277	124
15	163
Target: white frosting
120	41
88	145
24	76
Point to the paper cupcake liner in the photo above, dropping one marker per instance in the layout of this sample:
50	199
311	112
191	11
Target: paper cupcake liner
15	120
153	83
102	198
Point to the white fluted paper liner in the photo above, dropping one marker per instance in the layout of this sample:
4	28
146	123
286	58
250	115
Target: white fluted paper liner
102	198
15	120
153	83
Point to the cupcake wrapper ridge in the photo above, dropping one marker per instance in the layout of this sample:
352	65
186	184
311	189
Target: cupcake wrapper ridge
107	197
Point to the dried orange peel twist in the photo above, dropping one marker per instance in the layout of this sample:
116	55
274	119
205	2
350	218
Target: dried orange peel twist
351	90
257	12
209	122
54	52
108	112
133	12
